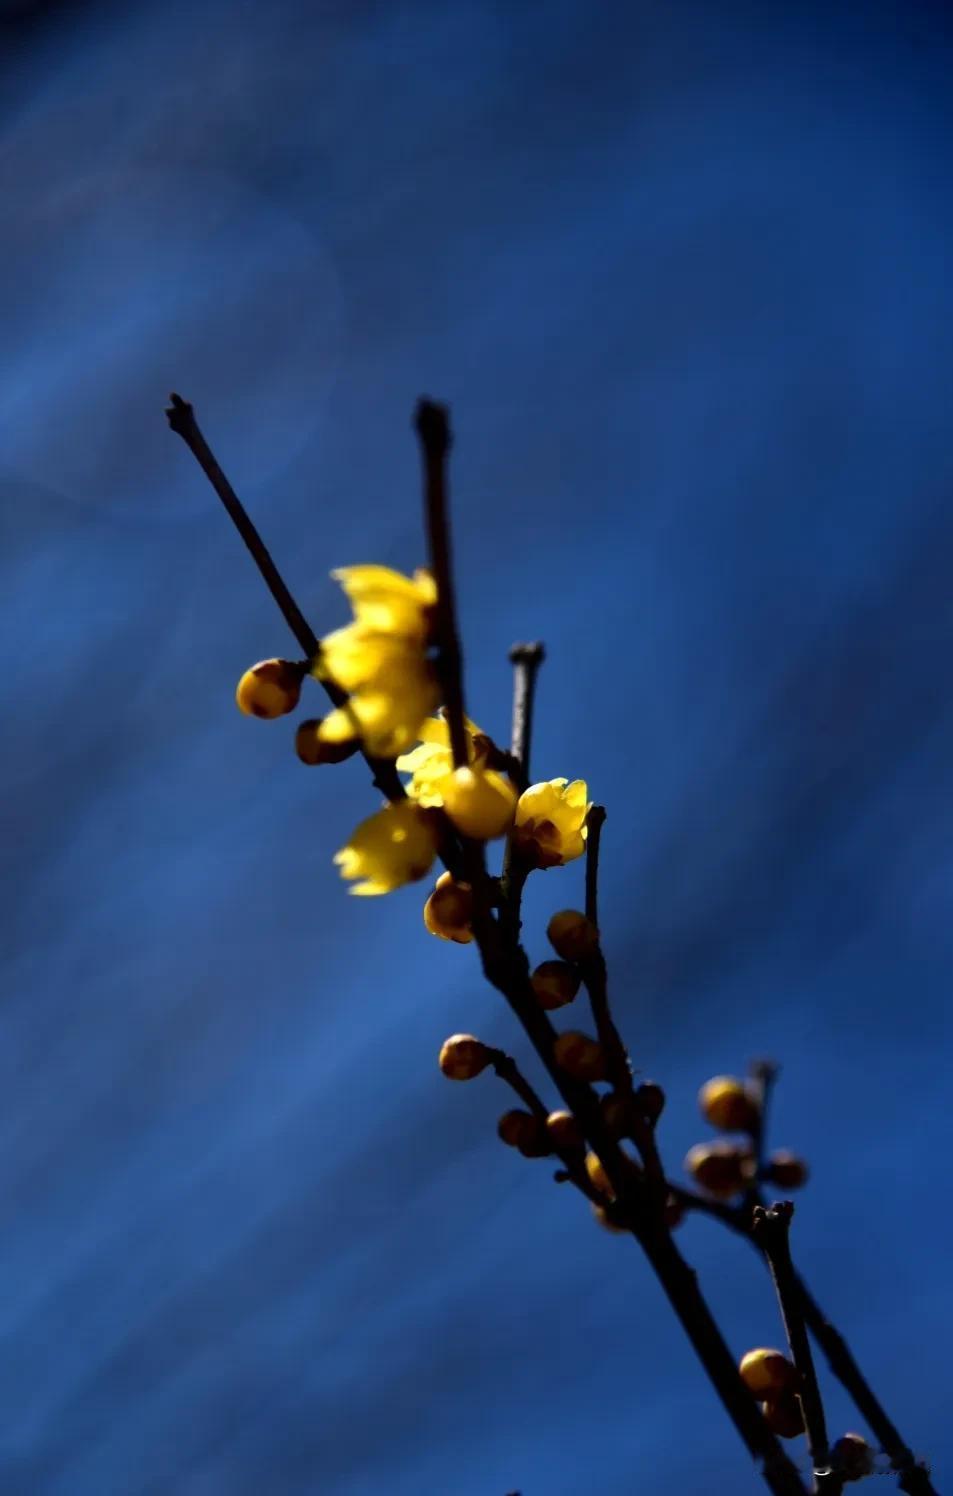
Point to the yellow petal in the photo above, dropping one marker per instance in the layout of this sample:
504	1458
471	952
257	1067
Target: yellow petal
539	802
339	726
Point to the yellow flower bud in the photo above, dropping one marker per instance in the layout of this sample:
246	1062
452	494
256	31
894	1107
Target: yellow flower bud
462	1057
649	1099
555	984
598	1176
720	1169
768	1374
784	1416
617	1113
852	1456
727	1105
580	1056
606	1221
311	749
787	1170
572	935
523	1131
563	1131
270	689
449	910
479	802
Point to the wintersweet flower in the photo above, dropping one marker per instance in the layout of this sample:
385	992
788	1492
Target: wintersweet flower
387	602
380	660
430	764
393	847
550	826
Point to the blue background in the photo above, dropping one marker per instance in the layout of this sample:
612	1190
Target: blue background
682	271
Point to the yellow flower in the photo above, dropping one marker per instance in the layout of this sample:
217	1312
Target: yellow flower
387	602
380	660
431	763
550	824
393	847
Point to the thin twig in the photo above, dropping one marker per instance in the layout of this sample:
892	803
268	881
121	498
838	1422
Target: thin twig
771	1230
508	1070
595	975
181	418
595	821
762	1075
526	660
433	428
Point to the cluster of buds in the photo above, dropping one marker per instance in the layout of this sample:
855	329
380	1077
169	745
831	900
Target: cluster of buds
727	1168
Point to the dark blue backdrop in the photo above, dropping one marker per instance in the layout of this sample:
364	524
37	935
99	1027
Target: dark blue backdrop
683	272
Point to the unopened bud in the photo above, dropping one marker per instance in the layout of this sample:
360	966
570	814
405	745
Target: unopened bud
768	1374
649	1098
480	802
784	1416
555	984
726	1103
618	1113
598	1176
572	935
563	1130
462	1057
449	910
786	1170
721	1169
580	1056
270	689
852	1457
313	750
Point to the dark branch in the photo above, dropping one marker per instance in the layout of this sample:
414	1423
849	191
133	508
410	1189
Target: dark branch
771	1230
182	420
526	660
594	824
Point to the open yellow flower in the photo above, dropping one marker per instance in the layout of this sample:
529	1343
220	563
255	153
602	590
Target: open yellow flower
387	602
393	847
550	825
431	763
380	660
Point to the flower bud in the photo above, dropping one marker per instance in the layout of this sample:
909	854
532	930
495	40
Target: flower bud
598	1176
721	1169
617	1113
572	935
605	1220
580	1056
768	1374
786	1170
462	1057
449	910
784	1417
649	1099
270	689
480	802
563	1130
555	984
852	1457
314	750
516	1127
727	1105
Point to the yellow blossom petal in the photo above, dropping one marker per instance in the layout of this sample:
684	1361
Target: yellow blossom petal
393	847
387	601
550	826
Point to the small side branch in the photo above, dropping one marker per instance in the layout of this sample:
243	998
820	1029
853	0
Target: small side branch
181	418
526	660
594	824
771	1230
433	429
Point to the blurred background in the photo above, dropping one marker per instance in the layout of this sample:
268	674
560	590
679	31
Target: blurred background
682	271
